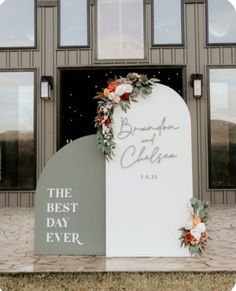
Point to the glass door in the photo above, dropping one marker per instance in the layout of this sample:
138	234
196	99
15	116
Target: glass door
78	87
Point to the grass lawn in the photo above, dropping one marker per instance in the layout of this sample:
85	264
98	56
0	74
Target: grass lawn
118	281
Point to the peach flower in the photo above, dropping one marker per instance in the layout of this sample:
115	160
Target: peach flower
105	92
196	219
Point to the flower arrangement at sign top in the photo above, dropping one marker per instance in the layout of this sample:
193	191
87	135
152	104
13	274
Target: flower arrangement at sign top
119	92
194	234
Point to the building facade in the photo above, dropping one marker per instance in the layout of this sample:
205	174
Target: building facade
78	45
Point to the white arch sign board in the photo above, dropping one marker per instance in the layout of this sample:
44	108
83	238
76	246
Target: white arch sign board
149	180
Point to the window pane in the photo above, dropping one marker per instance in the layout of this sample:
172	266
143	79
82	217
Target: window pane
223	128
221	21
73	23
167	22
120	29
17	167
17	23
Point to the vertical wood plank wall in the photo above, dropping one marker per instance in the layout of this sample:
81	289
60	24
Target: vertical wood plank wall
48	58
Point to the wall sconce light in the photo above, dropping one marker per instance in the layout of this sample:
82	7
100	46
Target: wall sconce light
46	84
197	84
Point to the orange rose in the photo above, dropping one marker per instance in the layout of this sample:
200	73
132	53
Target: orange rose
111	87
105	92
196	219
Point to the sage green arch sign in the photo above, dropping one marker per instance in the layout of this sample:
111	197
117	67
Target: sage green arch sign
70	201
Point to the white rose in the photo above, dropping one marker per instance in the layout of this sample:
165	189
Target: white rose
201	227
195	233
128	88
120	90
111	96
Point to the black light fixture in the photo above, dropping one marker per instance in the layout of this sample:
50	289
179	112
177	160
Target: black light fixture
46	84
197	84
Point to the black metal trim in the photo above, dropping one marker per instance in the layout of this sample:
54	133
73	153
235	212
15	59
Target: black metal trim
29	189
209	187
34	47
172	45
61	47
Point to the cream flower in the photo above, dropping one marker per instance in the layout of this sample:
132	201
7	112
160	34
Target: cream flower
189	222
116	99
197	231
135	75
111	96
128	88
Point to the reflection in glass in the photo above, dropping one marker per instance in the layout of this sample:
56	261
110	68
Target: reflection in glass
17	23
221	21
223	128
17	167
167	22
73	23
120	29
77	86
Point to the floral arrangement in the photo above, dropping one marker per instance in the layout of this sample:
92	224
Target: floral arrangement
119	92
194	234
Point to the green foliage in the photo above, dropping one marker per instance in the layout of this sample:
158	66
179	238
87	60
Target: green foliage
200	207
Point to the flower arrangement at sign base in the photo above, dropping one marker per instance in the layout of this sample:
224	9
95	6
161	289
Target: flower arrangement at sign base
119	92
194	234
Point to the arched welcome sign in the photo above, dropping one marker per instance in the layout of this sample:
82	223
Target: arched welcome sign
138	210
149	180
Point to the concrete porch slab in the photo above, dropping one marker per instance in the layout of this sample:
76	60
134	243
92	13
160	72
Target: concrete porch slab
17	254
